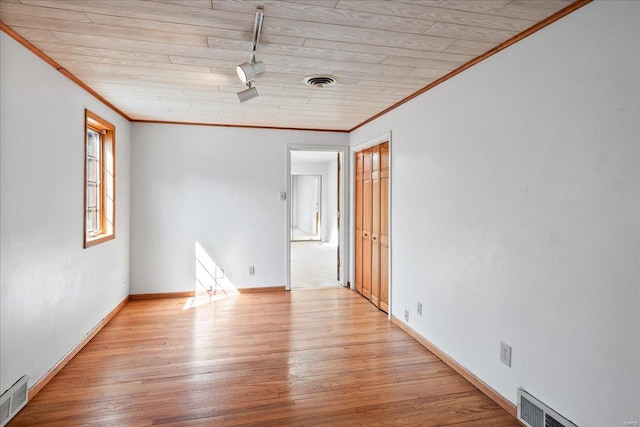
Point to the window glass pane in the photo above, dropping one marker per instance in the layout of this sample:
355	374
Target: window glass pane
100	170
94	196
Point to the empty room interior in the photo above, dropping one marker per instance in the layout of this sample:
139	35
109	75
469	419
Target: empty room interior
320	212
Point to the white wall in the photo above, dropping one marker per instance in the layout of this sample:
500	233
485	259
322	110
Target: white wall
329	172
304	189
217	186
52	291
515	214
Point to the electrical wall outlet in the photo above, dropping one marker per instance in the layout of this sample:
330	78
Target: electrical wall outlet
419	309
505	354
406	315
252	270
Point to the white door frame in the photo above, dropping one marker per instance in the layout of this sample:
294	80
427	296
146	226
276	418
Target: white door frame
352	212
343	221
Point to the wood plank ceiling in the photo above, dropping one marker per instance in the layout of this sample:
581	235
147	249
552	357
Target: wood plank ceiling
174	60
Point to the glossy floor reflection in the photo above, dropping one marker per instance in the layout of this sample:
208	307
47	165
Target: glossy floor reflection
313	357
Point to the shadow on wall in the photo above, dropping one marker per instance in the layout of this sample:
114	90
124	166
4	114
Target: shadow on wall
211	284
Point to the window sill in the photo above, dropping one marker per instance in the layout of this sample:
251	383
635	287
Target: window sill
96	240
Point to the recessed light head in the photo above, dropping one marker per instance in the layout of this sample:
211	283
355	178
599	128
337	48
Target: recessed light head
248	71
247	94
245	72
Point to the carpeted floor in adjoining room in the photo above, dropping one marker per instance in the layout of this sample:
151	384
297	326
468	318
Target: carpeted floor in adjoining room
313	264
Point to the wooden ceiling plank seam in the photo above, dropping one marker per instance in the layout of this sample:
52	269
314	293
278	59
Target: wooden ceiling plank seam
444	15
313	65
36	36
191	28
422	63
473	48
542	8
389	51
94	41
533	29
147	23
152	71
465	32
208	62
93	51
299	51
106	30
42	12
331	3
105	59
153	11
484	6
325	15
191	3
356	35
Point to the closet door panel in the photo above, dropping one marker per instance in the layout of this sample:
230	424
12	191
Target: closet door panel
358	220
384	227
375	226
366	239
367	206
372	225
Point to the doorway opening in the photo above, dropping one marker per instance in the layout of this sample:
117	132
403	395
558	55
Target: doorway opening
314	234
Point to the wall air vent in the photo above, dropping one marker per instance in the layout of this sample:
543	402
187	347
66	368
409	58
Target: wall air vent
534	413
13	400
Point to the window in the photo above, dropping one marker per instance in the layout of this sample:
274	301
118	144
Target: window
99	180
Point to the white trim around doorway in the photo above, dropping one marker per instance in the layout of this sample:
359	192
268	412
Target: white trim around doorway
343	221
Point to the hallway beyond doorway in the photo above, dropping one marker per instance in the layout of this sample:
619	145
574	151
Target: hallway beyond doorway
313	264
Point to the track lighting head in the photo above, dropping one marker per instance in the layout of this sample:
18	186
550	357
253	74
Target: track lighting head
248	94
248	71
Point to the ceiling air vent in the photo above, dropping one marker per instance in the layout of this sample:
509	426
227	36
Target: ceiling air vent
320	80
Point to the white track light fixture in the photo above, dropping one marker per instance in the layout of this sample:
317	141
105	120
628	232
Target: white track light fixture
247	94
248	71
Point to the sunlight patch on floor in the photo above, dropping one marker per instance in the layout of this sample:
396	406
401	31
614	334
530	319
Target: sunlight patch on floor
211	283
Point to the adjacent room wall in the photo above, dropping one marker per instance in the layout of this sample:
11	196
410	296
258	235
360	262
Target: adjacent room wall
52	291
303	199
515	215
218	187
329	172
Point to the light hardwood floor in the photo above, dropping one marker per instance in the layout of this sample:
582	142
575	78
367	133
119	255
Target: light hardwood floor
306	358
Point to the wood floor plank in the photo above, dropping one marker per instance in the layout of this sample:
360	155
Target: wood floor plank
300	358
